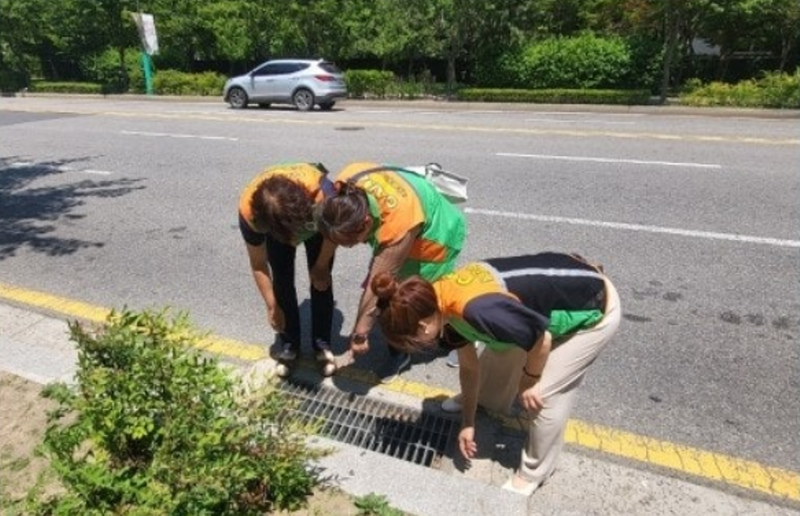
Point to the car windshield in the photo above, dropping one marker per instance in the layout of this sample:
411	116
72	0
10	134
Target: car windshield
329	67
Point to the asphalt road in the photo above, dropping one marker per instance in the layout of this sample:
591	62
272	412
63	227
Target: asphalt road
695	218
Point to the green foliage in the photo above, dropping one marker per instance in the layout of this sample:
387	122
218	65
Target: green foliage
772	90
13	80
363	82
66	87
585	61
556	96
105	68
375	505
173	82
156	428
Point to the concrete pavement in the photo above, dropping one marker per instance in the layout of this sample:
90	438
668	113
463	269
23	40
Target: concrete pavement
34	344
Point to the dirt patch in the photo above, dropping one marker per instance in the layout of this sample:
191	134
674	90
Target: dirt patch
22	429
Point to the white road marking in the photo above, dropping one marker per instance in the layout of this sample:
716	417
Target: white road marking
61	168
609	160
584	113
178	135
778	242
562	121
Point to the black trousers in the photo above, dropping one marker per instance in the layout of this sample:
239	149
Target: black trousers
281	259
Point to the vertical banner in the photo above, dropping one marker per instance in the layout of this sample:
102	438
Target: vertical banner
147	33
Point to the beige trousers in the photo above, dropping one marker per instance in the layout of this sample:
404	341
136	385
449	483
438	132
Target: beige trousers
563	373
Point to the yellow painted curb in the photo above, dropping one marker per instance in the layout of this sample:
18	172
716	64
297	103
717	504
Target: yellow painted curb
693	461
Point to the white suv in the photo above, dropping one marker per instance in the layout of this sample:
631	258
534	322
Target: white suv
301	82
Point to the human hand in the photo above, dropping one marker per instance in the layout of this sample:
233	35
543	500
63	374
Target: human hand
320	278
530	396
276	319
466	442
359	343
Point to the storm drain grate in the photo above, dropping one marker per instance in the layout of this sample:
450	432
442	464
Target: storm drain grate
400	432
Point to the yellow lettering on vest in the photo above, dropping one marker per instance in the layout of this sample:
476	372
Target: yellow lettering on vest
380	193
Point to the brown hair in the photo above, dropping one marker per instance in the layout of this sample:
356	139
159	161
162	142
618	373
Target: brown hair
343	213
281	207
401	306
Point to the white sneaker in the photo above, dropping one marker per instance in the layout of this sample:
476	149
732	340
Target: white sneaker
452	359
286	360
326	359
452	405
283	370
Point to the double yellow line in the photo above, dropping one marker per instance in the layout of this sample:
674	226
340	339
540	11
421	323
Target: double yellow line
779	483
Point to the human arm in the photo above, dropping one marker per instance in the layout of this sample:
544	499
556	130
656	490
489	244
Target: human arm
257	255
469	378
321	271
530	395
389	259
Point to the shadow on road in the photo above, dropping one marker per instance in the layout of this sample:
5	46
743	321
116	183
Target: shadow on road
30	215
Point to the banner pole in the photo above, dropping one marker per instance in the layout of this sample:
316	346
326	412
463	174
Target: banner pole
148	73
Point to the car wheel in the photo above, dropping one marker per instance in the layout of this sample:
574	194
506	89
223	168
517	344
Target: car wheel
303	99
237	98
264	105
327	106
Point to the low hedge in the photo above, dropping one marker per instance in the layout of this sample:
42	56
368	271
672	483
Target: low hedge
173	82
772	90
556	96
66	87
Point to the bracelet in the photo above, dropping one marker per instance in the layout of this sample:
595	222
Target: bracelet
525	370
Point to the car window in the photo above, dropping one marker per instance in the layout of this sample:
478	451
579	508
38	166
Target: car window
276	69
329	67
300	66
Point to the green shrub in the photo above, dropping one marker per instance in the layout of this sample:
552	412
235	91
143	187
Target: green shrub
585	61
12	80
556	96
156	428
772	90
361	83
66	87
173	82
105	69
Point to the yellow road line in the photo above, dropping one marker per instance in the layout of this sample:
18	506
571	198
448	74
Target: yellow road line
685	459
434	127
70	308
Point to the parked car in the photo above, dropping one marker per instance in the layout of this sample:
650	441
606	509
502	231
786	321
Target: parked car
301	82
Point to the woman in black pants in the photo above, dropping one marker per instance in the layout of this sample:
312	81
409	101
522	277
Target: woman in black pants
275	216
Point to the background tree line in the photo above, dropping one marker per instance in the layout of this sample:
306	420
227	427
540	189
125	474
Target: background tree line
474	42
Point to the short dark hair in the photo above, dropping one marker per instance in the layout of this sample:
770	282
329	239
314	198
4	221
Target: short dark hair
343	213
281	208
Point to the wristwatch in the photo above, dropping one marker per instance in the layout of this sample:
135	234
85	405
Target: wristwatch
358	338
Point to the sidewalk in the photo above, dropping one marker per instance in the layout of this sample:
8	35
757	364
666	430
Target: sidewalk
36	346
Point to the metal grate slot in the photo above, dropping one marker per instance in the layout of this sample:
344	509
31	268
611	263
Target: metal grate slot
400	432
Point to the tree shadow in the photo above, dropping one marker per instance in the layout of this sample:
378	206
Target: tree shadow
30	215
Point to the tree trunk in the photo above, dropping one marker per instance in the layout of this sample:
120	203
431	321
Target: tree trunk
671	29
451	74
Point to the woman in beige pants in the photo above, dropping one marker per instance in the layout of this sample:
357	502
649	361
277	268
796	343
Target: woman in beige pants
542	320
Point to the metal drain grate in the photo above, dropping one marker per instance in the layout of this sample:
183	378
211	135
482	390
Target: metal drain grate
415	436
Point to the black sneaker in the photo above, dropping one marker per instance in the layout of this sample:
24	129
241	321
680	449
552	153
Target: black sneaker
394	365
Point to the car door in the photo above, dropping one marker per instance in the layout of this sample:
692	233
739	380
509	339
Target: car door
287	81
268	82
